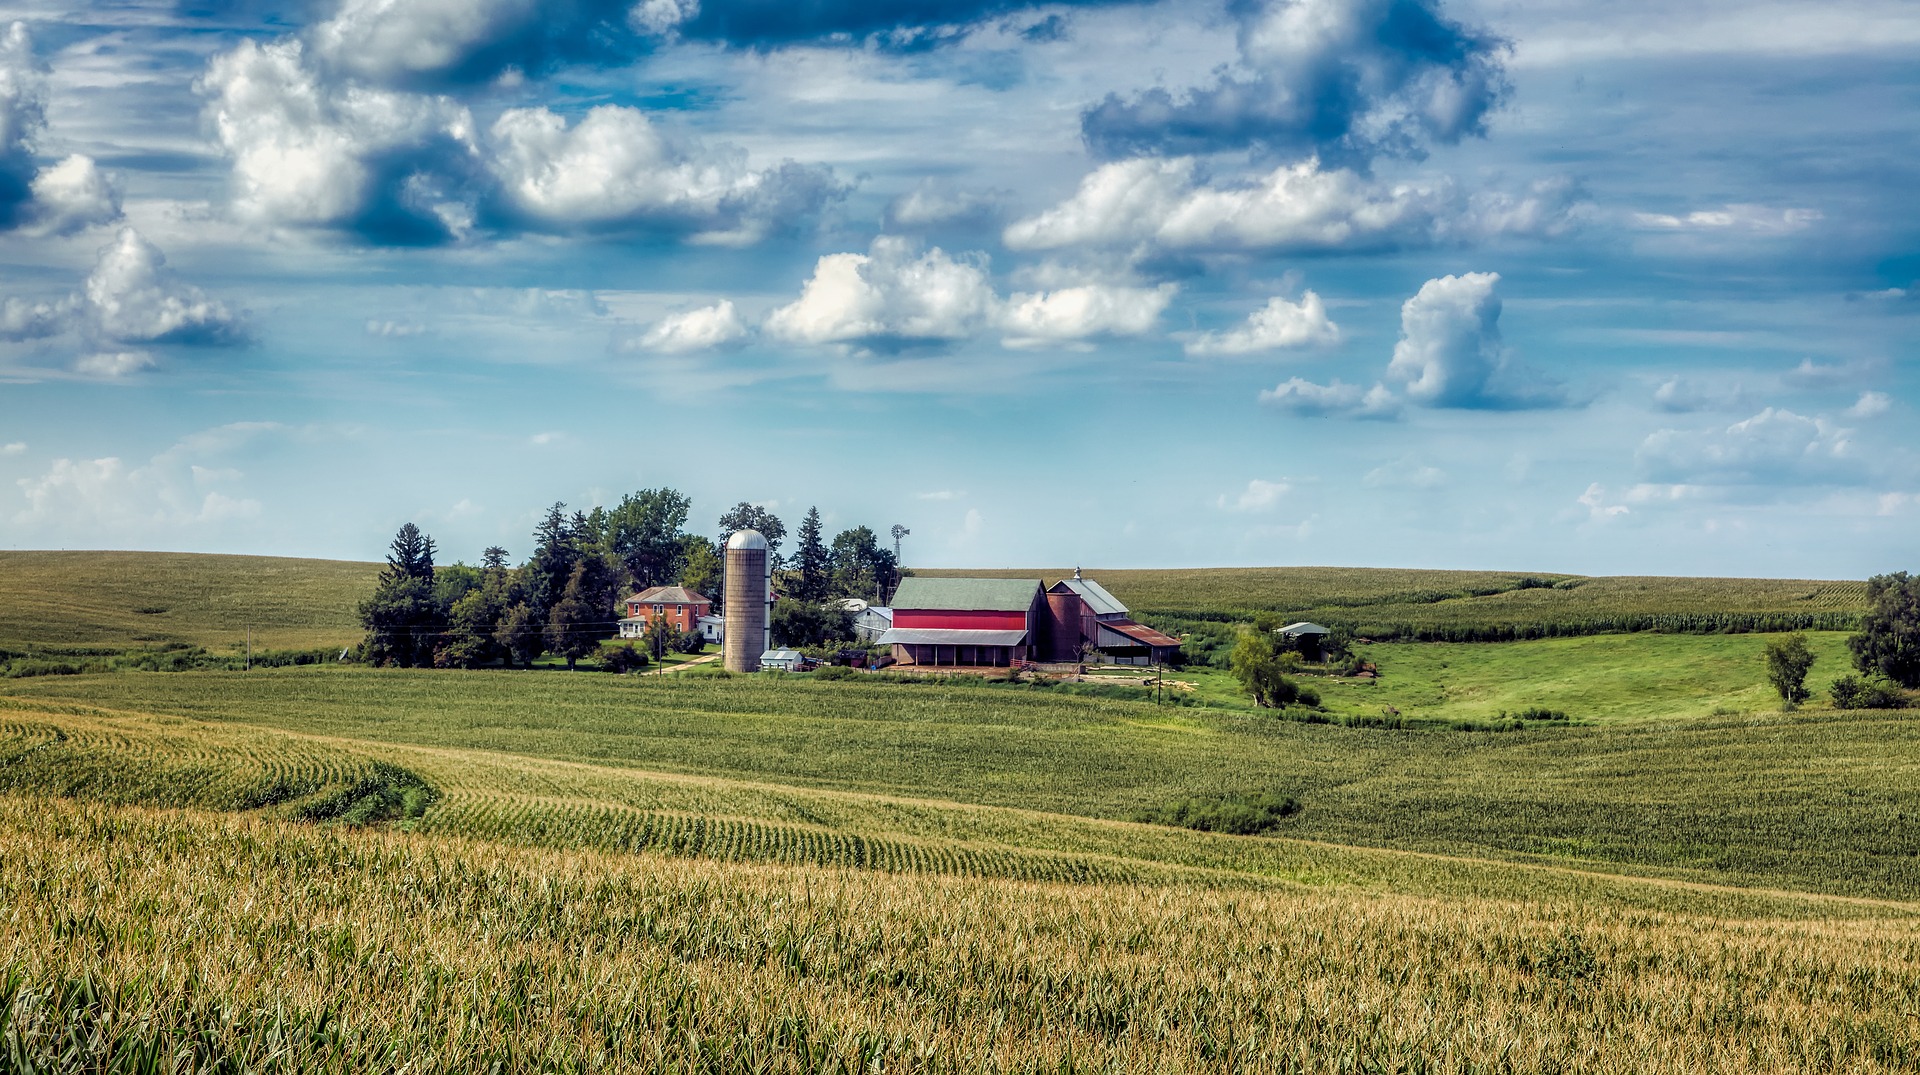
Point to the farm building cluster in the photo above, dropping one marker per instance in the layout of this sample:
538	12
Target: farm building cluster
941	622
996	622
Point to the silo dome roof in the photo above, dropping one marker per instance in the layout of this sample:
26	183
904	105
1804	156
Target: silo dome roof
746	539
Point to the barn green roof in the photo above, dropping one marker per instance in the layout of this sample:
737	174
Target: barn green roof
968	595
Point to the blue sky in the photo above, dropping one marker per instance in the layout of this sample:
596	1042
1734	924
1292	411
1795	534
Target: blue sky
1620	288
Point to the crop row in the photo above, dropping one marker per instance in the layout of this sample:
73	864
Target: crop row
549	824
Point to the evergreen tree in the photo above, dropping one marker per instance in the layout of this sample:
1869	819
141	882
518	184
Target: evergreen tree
812	561
572	630
555	551
403	617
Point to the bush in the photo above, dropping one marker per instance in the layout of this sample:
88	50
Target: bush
833	671
1852	692
621	657
1237	815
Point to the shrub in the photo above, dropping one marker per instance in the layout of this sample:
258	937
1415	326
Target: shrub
1237	815
1852	692
833	671
621	657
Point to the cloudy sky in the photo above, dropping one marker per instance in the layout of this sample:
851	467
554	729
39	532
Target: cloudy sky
1558	285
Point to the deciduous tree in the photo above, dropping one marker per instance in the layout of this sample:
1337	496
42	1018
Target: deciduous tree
646	530
1889	640
1788	660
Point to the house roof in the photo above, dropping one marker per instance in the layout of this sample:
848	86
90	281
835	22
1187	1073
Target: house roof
969	595
881	611
1095	595
930	636
1140	633
669	595
1303	628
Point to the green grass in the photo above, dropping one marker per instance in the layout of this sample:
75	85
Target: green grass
114	601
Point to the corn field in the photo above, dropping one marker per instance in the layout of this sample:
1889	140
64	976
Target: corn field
155	940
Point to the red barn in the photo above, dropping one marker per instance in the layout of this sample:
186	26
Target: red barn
680	607
974	622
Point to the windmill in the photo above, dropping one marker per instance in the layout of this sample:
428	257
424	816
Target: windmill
898	533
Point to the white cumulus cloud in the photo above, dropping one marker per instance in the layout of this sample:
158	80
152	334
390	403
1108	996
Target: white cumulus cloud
616	167
1776	446
309	151
1297	207
59	198
1450	348
1277	325
1449	355
113	364
72	195
1083	312
21	319
132	298
899	295
894	294
1305	397
696	330
1870	405
1259	495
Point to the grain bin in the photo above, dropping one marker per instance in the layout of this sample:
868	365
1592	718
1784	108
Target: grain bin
749	601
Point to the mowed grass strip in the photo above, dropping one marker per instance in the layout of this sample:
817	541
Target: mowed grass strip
235	943
1816	801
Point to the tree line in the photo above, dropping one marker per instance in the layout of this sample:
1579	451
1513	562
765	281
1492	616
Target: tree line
565	599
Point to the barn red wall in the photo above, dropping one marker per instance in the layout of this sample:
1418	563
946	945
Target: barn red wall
957	620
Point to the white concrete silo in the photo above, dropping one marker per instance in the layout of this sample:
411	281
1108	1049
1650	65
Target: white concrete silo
749	601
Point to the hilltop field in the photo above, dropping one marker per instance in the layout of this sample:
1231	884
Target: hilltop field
330	867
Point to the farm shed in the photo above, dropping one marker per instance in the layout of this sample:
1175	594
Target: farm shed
871	622
1080	612
978	622
1306	637
1127	642
782	660
680	607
